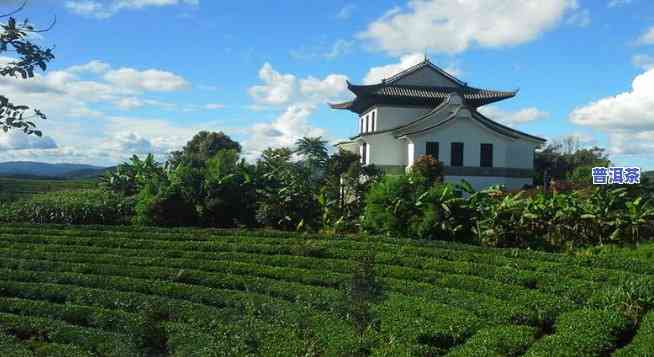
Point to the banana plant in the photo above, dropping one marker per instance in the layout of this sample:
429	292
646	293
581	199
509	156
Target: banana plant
638	214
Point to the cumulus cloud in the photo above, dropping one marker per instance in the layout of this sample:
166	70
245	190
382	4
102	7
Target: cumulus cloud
627	118
300	97
633	109
17	140
103	10
291	125
454	26
95	67
284	89
277	88
149	80
647	38
376	74
512	118
71	98
644	62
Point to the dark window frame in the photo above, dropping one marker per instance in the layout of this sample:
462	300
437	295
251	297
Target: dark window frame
435	148
486	157
364	153
456	155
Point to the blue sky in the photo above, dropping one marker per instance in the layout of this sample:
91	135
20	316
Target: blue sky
138	76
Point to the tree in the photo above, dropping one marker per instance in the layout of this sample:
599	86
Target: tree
314	151
14	37
562	158
203	146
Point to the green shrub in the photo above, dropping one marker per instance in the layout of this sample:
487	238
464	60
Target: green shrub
390	207
168	207
70	207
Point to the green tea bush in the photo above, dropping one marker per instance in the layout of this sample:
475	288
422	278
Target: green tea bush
70	207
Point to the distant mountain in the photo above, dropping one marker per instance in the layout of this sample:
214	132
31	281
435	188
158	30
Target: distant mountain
41	169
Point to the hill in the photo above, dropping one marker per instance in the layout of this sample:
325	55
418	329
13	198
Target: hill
41	169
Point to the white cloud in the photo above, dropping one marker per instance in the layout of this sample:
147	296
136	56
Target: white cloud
644	62
376	74
631	143
317	90
95	67
512	118
300	98
627	110
83	132
627	118
107	9
284	89
339	48
277	88
17	140
149	80
346	11
285	130
647	38
448	26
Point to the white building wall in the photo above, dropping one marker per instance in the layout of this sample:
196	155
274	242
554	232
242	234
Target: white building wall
411	152
471	134
392	117
386	150
521	154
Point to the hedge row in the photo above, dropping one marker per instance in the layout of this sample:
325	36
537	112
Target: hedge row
643	342
427	327
576	289
497	341
47	330
630	265
520	305
585	332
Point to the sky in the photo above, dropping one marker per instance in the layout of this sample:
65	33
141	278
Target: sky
143	76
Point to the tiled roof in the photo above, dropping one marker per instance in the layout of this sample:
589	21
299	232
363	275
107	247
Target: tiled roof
389	94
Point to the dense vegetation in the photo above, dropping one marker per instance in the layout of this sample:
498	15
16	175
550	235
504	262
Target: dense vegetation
208	184
127	291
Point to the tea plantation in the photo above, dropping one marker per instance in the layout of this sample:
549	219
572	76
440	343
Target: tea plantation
129	291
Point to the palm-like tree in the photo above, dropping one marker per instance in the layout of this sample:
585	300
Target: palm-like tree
313	149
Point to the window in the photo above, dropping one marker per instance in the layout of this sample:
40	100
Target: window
361	125
486	155
432	149
374	122
456	158
364	153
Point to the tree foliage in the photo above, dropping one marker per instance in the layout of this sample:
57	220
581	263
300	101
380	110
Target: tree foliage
562	158
203	146
15	38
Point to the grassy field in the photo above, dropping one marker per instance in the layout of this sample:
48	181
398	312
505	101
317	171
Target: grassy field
130	291
17	188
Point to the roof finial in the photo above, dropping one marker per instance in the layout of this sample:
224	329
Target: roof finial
425	55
